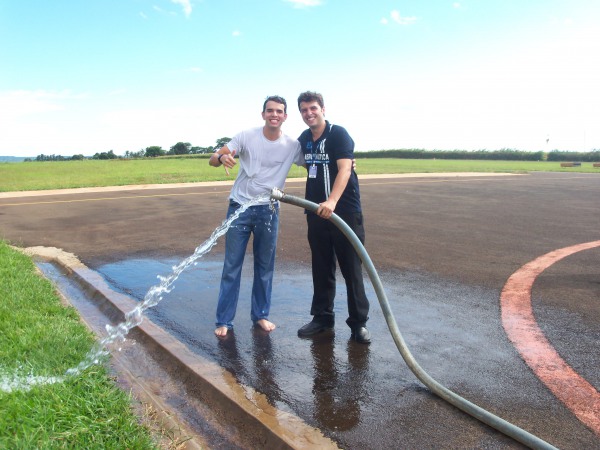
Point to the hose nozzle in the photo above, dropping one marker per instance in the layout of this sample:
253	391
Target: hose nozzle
277	194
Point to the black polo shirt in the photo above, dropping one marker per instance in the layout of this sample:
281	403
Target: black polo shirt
335	143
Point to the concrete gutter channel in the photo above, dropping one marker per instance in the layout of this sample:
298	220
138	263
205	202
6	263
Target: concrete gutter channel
186	390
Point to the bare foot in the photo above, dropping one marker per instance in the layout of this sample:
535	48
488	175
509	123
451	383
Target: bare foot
221	331
265	324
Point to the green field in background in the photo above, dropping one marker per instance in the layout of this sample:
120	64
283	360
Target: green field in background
119	172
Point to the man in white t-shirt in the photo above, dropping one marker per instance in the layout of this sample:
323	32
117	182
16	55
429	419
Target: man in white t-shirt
265	156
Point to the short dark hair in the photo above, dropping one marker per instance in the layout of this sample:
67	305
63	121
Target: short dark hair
277	99
310	96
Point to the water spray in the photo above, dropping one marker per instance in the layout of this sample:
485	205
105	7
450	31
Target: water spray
117	334
454	399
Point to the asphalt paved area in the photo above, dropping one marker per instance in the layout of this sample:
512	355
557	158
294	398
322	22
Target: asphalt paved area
445	248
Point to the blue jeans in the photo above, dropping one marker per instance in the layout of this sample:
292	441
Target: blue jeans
263	222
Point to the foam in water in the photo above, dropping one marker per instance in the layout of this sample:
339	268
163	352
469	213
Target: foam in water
18	382
117	333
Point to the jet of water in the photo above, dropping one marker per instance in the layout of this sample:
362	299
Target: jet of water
117	333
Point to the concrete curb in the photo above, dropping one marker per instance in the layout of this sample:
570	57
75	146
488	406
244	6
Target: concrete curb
241	405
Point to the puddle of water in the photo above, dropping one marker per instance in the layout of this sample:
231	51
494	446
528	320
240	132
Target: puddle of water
330	381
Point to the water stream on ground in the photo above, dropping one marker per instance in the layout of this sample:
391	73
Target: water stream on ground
117	334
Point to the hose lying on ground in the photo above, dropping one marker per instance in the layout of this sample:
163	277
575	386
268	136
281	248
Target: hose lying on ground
473	410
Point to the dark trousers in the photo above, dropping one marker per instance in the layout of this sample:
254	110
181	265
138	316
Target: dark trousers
327	242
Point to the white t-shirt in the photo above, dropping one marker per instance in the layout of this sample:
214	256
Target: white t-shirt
264	164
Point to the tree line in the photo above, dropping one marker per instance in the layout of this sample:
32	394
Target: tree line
504	154
181	148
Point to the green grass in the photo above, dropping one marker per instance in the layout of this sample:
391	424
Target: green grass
117	172
390	165
91	173
41	337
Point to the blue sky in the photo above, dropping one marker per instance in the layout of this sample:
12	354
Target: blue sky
93	76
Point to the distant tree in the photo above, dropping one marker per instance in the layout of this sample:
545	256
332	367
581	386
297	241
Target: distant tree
154	151
181	148
43	157
77	157
139	154
105	155
221	142
201	150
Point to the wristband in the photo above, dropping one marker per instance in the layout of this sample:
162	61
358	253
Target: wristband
219	158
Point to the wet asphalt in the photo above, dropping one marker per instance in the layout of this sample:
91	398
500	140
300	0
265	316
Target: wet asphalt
444	248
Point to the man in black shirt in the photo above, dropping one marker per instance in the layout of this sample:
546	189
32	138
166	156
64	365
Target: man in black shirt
332	183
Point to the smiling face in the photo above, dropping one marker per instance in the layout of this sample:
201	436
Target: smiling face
313	114
274	114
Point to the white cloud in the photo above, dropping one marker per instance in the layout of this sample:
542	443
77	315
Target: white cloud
117	92
135	128
383	21
22	103
24	116
305	3
186	5
456	5
396	17
236	33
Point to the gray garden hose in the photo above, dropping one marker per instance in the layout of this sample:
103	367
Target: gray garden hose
473	410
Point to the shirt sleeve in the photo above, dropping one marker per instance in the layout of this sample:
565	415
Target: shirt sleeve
299	156
236	143
343	144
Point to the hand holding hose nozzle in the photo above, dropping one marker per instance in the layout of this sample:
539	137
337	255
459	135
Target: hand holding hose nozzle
277	194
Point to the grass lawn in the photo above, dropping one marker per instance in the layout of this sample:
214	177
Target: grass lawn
119	172
41	337
396	165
